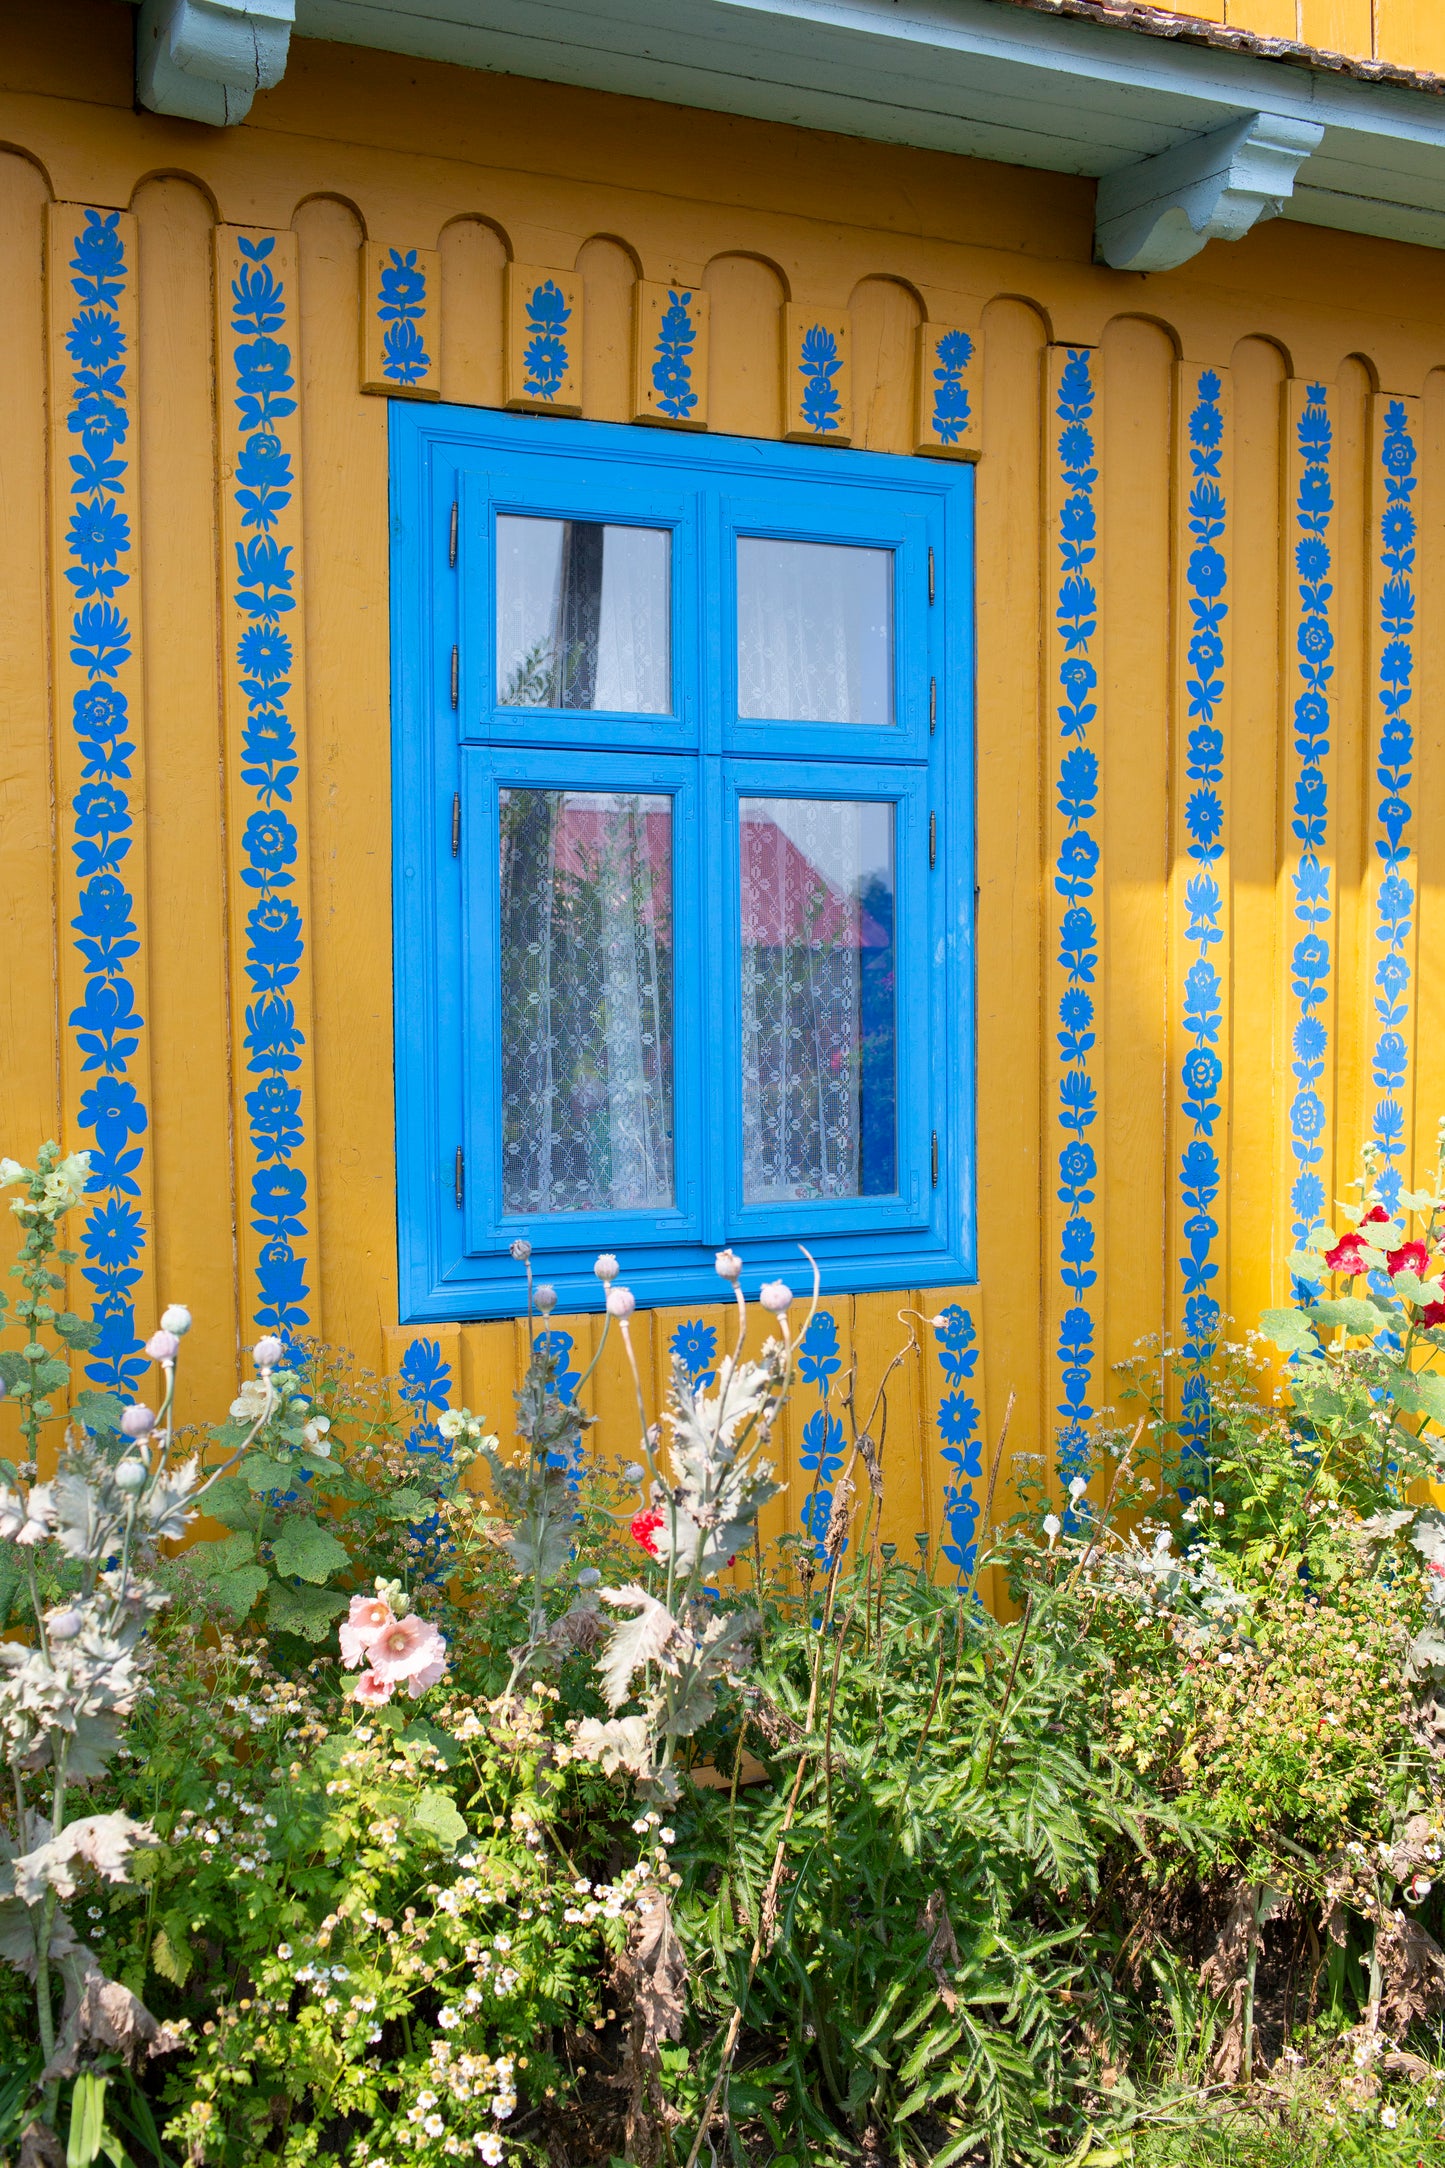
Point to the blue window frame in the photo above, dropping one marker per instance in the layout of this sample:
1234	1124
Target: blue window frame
683	819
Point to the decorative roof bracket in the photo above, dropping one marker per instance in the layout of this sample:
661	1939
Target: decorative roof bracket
1155	215
206	59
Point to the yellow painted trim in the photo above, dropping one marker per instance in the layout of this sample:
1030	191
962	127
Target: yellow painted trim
804	330
376	259
524	282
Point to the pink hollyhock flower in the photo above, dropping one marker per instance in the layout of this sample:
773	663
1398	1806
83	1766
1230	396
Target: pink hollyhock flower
644	1527
368	1617
371	1691
418	1683
1410	1257
406	1647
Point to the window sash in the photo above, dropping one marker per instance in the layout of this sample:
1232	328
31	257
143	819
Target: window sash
453	1259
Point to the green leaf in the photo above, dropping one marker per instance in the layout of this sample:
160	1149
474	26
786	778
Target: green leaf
305	1611
1289	1331
230	1502
1418	1392
303	1547
262	1473
76	1332
213	1561
239	1592
407	1505
1307	1265
170	1951
436	1815
1353	1313
420	1733
99	1412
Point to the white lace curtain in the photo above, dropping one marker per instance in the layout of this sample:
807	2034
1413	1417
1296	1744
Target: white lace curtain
586	1001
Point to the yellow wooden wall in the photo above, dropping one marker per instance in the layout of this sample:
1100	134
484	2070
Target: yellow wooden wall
357	147
1411	33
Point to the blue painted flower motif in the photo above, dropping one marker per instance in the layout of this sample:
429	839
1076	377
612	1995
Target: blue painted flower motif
108	1027
262	364
672	360
544	355
1395	897
1075	872
695	1347
819	361
952	356
425	1380
819	1358
957	1419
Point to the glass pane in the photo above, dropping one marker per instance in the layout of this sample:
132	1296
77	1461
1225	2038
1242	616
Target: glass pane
586	1001
819	1000
583	615
815	632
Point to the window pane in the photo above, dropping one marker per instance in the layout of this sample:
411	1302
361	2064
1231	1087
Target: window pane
583	615
586	1001
819	1015
815	632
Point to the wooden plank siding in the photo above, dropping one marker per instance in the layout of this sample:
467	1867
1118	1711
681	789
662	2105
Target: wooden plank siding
1170	445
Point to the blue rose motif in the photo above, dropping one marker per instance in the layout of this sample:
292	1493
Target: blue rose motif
1077	1165
1076	1241
263	365
1398	453
1078	676
278	1199
1307	1116
273	1109
818	1353
269	841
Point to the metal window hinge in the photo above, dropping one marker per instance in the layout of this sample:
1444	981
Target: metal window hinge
456	673
932	591
459	1178
932	706
932	840
456	824
935	1159
452	536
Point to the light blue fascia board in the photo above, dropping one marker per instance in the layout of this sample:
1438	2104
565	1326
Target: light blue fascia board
969	77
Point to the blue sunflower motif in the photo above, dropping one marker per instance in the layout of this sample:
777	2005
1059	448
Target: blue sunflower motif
695	1346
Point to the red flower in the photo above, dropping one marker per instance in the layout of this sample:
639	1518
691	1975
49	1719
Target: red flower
1410	1257
1345	1256
1375	1216
1432	1314
644	1528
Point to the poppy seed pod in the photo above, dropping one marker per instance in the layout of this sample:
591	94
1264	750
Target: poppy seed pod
138	1422
267	1352
176	1318
621	1302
